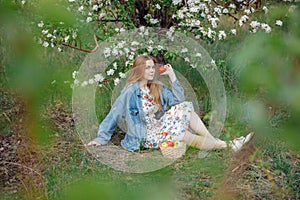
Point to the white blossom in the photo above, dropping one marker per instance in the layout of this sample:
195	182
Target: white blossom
150	48
126	50
107	52
146	32
233	31
116	81
197	22
278	23
194	9
180	14
150	42
142	29
41	24
175	2
110	72
255	24
84	83
98	78
66	38
80	9
131	57
265	9
115	65
154	21
193	66
213	62
134	43
222	35
266	27
214	22
253	31
184	50
198	55
247	11
88	19
225	11
243	19
95	7
45	32
159	47
91	81
115	52
23	2
74	74
211	34
158	6
232	6
186	59
121	44
74	35
122	75
45	44
218	10
76	82
102	15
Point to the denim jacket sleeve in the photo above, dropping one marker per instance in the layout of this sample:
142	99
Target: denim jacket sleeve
110	122
174	97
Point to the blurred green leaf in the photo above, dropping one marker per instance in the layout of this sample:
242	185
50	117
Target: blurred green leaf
56	11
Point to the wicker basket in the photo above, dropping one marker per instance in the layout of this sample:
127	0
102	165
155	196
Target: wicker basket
173	152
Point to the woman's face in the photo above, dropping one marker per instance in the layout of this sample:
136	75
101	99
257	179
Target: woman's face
149	70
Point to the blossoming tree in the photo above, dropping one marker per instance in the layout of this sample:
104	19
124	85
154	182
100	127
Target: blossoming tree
208	20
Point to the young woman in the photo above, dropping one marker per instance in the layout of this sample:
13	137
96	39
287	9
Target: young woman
155	114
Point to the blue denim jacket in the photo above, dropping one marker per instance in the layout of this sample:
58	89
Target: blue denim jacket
129	106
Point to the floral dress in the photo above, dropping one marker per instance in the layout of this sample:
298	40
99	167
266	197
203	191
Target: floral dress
170	127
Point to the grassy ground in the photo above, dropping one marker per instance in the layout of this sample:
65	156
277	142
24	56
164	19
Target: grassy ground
60	167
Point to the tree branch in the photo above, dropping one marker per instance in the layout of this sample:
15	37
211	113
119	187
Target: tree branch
81	49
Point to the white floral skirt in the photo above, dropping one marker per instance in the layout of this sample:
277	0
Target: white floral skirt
170	127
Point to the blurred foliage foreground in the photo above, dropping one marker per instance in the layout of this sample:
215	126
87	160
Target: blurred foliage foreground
43	158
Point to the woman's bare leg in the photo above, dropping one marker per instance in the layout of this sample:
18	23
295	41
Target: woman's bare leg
198	126
202	142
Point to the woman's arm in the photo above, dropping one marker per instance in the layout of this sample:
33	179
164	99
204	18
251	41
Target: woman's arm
110	122
177	94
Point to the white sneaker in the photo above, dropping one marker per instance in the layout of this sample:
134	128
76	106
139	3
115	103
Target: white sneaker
238	143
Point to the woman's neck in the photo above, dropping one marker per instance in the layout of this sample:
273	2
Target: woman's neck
143	84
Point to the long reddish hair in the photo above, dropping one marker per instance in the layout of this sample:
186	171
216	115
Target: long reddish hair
137	73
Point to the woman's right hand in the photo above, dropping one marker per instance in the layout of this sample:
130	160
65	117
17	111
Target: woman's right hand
170	72
93	143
